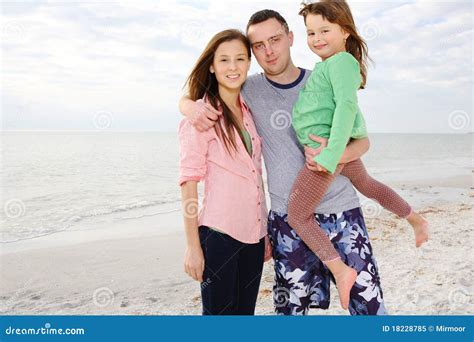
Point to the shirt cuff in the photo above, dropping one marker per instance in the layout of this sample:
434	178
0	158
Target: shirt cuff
325	162
185	179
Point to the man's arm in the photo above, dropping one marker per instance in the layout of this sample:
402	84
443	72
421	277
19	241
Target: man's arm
354	150
201	115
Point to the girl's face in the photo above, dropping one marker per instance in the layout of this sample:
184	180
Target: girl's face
324	38
231	64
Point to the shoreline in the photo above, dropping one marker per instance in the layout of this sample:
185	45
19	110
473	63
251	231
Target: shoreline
452	189
135	267
142	227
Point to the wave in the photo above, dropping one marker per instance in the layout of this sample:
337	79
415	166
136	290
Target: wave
121	208
66	223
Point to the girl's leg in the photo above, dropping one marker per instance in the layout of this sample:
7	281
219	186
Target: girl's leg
386	196
220	273
250	267
308	190
372	188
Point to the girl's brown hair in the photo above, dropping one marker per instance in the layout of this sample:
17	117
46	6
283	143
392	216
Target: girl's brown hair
202	83
338	12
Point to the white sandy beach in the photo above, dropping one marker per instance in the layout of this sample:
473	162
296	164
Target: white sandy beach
136	268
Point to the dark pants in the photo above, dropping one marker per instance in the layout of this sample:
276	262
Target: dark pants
232	274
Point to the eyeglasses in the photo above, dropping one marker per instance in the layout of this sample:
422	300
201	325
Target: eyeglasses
260	46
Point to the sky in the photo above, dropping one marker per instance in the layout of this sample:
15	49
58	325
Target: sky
121	65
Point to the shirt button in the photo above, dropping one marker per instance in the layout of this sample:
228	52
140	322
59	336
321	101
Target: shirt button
253	171
253	139
259	220
258	203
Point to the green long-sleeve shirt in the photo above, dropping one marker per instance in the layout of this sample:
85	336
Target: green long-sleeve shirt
327	106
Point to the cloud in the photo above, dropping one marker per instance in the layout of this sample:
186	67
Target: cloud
62	62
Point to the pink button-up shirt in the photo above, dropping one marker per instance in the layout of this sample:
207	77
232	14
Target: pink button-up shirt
234	200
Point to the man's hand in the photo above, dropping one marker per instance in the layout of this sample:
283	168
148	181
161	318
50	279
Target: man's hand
310	153
201	115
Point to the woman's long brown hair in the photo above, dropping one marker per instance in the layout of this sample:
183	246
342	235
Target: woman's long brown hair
338	12
202	83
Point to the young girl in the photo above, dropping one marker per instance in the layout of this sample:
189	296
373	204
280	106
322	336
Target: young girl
327	106
226	242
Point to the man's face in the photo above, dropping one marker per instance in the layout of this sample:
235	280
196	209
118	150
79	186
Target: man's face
271	45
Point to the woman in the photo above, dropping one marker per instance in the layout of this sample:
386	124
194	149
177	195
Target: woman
226	243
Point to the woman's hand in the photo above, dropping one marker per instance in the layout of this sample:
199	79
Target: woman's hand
268	249
194	262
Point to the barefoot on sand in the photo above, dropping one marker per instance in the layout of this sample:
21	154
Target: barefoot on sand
420	228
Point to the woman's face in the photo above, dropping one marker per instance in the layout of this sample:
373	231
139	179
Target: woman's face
231	64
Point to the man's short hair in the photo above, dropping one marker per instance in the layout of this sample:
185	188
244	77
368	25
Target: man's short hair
264	15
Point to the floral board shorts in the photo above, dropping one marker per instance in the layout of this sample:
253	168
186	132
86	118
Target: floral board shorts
302	281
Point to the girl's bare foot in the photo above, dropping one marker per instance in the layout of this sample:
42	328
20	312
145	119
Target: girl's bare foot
420	227
345	277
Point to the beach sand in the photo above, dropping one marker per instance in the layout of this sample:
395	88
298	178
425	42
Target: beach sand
136	268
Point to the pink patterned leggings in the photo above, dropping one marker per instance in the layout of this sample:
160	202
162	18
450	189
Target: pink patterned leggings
309	189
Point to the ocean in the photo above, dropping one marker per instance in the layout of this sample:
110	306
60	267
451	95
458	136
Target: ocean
55	181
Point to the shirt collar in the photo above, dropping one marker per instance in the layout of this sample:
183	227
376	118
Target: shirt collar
243	105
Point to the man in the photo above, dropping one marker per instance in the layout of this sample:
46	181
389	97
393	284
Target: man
301	279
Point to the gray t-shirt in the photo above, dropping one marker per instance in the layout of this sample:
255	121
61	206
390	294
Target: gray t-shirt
271	105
